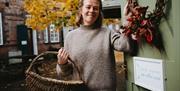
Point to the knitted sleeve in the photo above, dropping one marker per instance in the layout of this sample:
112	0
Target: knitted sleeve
65	71
120	42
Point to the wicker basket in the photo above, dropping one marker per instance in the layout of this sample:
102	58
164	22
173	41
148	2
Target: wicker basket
37	82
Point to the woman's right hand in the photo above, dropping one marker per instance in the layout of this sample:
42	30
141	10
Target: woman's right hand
62	56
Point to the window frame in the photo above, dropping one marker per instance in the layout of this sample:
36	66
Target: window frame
53	34
46	36
1	30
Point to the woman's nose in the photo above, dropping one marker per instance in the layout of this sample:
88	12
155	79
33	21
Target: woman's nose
91	9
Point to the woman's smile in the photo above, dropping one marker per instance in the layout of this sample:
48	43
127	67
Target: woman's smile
90	11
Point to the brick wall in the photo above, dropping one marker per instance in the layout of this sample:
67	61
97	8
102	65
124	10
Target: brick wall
12	15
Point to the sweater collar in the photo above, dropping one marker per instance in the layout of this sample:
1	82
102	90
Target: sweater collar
91	27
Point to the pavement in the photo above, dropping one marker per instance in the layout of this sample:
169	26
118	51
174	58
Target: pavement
12	78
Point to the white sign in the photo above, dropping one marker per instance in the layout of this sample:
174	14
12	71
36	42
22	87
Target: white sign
24	42
14	60
149	73
110	3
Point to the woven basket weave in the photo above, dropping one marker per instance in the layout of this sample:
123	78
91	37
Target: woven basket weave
37	82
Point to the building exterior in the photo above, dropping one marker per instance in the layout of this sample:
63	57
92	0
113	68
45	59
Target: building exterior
30	42
18	40
170	33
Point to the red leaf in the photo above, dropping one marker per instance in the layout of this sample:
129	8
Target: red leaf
144	22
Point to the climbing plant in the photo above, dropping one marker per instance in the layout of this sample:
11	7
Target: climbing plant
144	24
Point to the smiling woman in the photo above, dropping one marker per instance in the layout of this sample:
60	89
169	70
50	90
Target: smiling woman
90	11
91	47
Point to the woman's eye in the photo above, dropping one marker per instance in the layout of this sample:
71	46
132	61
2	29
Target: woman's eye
88	7
95	8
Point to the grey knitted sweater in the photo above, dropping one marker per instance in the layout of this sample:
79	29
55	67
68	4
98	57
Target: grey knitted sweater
92	51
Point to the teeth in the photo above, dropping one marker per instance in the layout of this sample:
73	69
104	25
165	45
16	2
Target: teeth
90	15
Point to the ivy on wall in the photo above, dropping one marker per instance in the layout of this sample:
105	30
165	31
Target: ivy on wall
143	24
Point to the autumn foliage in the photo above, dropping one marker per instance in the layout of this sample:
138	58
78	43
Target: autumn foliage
42	13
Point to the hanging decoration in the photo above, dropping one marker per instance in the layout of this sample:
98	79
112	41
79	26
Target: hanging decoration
143	24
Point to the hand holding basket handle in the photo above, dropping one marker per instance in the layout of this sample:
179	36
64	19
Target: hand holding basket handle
37	82
62	56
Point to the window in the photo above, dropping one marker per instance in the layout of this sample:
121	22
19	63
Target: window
1	35
54	35
51	35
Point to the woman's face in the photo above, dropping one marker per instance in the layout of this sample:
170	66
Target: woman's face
90	11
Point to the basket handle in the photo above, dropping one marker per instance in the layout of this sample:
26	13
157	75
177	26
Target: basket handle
51	52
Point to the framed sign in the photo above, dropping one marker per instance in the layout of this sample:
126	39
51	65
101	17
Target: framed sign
149	73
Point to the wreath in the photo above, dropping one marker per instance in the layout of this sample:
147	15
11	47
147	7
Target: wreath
144	24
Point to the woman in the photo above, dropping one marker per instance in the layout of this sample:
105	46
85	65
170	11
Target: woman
91	47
